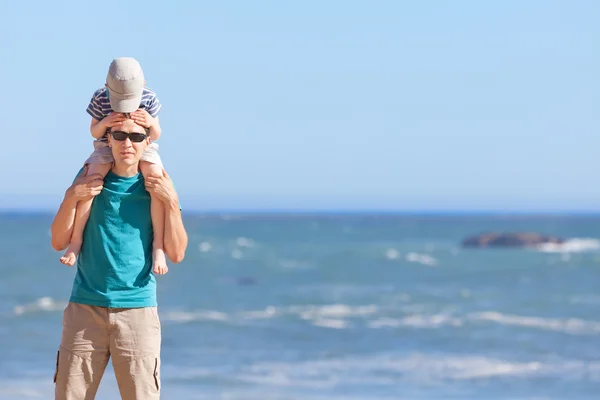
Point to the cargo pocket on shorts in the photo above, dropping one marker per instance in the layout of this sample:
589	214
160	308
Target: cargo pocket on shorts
56	369
157	373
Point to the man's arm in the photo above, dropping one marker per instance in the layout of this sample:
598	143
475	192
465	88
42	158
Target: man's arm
175	240
84	187
175	236
62	226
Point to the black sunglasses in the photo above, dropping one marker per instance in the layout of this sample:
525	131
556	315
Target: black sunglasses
135	137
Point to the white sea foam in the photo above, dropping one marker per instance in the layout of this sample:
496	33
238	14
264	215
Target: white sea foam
431	321
202	315
267	313
244	242
388	369
342	316
276	378
422	259
392	254
41	304
333	311
331	323
384	323
573	326
376	370
331	316
577	245
205	247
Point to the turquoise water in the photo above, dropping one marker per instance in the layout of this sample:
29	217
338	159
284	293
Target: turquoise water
336	307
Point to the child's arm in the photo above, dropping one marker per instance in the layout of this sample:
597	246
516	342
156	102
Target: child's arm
98	127
143	118
155	131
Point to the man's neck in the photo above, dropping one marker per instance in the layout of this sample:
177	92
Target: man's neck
125	171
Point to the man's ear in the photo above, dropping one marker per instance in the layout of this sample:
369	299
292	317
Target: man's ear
109	137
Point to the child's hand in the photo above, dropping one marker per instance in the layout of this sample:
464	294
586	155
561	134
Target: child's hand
114	119
161	187
142	118
85	186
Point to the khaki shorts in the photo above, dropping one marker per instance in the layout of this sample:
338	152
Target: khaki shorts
91	335
103	155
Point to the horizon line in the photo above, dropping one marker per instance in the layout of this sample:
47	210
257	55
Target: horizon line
357	211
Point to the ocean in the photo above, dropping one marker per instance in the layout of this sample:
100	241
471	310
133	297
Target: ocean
336	306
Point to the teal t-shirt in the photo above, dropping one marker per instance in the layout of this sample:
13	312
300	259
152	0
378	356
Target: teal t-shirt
115	262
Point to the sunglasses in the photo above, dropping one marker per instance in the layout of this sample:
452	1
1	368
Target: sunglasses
135	137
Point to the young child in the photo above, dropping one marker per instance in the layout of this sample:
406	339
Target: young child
124	96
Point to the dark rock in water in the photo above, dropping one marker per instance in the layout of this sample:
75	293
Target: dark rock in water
509	239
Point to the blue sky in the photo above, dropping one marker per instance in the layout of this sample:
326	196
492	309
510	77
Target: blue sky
378	105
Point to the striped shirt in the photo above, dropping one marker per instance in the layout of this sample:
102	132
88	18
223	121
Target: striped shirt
99	107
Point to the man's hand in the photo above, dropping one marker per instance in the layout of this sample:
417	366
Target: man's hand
85	187
142	118
113	119
162	188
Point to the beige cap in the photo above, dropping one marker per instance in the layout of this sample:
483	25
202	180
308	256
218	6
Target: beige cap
125	82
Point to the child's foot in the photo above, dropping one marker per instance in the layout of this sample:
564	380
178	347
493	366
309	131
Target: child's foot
160	262
71	254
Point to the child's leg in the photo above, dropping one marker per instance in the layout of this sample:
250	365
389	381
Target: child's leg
82	213
157	213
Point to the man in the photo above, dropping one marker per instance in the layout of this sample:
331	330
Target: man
112	311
